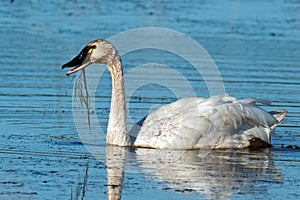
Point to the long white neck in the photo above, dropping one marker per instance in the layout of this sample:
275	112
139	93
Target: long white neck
116	130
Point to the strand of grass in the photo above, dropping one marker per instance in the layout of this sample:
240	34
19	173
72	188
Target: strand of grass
85	181
81	92
87	99
71	193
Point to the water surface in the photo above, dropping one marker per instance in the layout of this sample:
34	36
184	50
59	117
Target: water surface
254	44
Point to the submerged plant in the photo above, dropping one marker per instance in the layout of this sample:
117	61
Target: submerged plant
81	188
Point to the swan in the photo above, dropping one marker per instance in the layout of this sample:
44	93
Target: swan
220	121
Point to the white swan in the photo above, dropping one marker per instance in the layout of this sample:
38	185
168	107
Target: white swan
191	123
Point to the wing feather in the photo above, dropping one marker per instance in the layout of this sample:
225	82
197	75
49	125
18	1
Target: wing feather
217	122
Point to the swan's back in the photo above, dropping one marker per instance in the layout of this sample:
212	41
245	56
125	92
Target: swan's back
217	122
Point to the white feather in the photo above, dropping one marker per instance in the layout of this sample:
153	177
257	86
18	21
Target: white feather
217	122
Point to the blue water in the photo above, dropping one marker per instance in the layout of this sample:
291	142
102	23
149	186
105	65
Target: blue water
255	46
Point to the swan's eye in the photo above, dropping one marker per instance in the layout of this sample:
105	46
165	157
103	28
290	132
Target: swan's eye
90	51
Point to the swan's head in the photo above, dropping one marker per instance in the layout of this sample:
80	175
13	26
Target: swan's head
97	51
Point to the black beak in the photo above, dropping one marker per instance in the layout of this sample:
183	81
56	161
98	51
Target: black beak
78	60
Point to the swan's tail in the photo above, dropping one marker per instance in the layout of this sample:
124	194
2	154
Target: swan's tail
279	116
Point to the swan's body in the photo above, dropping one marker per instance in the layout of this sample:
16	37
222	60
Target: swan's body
217	122
190	123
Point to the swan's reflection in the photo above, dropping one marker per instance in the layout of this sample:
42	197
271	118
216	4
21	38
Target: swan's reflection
213	173
115	162
216	174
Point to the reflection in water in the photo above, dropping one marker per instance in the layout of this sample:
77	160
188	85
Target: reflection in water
115	162
217	174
